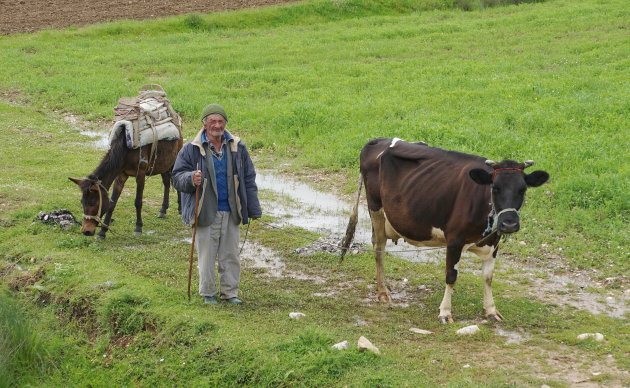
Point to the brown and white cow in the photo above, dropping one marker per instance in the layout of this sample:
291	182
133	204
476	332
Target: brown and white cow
433	197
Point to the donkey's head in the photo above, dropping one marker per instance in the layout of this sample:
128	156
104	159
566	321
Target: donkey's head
95	201
509	184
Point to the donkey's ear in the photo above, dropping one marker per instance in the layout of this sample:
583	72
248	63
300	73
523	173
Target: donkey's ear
480	176
77	181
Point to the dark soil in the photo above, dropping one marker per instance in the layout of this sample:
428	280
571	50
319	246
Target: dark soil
18	16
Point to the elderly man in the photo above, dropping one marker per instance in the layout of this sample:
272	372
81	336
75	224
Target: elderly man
219	163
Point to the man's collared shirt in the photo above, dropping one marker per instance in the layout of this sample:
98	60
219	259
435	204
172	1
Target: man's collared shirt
216	153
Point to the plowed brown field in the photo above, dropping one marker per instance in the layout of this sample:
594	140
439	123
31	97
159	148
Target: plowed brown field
18	16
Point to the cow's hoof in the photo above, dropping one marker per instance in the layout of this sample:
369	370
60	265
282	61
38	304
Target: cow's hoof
446	319
384	297
162	215
496	317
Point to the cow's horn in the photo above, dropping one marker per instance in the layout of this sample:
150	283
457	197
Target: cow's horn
528	163
491	163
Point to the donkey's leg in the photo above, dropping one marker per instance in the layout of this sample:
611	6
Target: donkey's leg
379	239
119	184
140	179
166	181
453	254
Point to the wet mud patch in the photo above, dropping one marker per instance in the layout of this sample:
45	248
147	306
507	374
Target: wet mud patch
550	366
330	245
568	289
513	337
98	132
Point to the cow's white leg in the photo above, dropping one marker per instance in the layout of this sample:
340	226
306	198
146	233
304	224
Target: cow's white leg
487	271
379	239
445	307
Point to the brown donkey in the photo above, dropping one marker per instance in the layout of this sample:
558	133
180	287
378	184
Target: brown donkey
118	164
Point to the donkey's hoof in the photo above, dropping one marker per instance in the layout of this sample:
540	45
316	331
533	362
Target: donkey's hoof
445	319
137	233
100	237
162	215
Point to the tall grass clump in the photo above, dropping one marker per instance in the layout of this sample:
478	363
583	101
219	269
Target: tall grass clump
23	354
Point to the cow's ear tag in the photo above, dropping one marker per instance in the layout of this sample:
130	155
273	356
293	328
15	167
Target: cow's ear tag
480	176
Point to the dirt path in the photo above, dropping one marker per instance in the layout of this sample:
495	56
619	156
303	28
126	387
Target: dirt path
20	16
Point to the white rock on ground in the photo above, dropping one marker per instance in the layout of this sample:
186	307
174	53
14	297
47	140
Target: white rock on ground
365	344
420	331
341	345
296	315
599	337
469	330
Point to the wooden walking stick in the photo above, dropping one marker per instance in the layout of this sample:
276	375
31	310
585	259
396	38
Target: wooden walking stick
192	245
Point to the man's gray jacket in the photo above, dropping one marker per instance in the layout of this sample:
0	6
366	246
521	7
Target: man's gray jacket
242	189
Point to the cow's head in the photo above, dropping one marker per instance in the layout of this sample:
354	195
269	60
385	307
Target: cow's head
95	203
509	184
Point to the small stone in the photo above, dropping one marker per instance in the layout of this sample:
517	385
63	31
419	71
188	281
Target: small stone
469	330
296	315
341	345
420	331
467	366
522	243
545	386
599	337
365	344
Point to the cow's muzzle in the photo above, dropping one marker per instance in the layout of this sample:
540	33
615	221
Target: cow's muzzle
509	227
508	221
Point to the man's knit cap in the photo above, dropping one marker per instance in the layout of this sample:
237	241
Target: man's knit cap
213	109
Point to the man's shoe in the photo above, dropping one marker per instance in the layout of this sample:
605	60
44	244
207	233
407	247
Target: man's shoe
210	300
234	300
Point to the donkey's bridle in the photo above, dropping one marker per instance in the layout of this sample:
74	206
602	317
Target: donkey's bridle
97	217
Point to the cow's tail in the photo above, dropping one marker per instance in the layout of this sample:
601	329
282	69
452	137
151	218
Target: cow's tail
352	223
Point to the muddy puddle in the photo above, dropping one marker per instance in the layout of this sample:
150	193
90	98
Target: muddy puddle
297	204
98	133
99	142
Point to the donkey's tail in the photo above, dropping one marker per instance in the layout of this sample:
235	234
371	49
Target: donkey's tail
352	223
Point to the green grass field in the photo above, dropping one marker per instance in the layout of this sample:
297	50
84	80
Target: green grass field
307	85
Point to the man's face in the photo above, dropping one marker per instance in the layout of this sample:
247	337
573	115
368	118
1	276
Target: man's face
214	126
